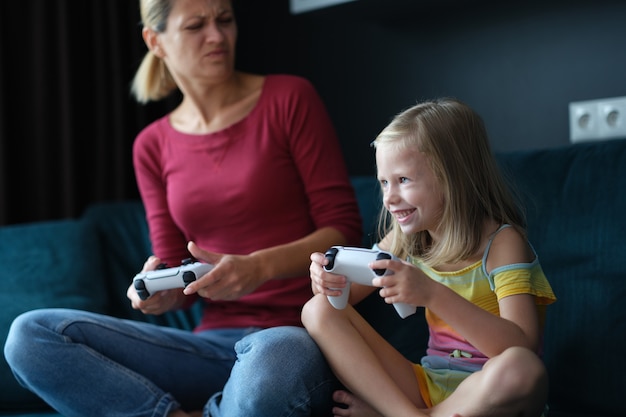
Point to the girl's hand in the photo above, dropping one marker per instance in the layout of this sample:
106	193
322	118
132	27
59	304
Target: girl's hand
159	302
407	284
232	277
322	281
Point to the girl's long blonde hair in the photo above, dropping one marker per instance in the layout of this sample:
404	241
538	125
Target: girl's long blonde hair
454	139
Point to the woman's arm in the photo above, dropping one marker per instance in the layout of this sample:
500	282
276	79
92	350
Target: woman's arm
238	275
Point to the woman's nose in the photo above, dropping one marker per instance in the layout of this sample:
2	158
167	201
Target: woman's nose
214	32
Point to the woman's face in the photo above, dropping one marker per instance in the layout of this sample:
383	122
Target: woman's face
199	41
411	193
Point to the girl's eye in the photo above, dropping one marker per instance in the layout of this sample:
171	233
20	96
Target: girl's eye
403	180
225	20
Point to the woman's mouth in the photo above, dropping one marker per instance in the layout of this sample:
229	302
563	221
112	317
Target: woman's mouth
216	53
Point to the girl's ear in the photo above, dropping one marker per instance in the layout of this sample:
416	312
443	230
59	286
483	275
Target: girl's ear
150	37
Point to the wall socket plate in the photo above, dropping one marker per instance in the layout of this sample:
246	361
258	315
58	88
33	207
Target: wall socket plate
597	119
301	6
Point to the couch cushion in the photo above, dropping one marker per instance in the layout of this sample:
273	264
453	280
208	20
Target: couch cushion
123	233
50	264
576	200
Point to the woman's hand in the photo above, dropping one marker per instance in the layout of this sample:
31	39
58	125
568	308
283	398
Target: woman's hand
232	277
322	281
161	301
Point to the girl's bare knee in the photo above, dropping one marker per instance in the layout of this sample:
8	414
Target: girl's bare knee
517	375
314	312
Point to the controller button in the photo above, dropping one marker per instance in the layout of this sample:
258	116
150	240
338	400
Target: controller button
140	287
382	255
188	277
379	256
330	255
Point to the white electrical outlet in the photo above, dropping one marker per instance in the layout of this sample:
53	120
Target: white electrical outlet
612	118
300	6
583	123
597	119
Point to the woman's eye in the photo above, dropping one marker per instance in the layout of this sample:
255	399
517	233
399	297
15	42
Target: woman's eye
225	20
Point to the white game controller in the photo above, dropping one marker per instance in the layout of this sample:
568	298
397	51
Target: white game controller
149	282
353	264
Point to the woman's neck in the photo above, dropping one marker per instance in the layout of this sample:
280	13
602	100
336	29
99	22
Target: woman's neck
208	109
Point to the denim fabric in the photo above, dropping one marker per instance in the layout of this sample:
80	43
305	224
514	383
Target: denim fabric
88	364
280	372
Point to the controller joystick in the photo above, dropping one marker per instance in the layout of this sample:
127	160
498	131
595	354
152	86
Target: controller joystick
353	264
163	278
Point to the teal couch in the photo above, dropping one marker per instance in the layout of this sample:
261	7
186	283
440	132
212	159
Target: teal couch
576	203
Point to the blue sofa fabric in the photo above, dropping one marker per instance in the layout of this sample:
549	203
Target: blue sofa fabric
575	198
52	264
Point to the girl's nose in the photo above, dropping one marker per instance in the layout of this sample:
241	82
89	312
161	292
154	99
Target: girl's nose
390	195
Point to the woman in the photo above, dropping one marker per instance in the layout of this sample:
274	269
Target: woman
245	173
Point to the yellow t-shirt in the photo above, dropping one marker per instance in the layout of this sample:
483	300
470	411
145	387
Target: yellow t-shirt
448	350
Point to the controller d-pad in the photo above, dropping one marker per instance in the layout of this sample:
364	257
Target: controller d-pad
140	287
379	256
330	255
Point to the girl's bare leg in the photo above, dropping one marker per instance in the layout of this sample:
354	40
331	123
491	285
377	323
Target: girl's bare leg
355	407
514	383
365	363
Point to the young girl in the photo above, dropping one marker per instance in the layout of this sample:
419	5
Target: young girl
468	263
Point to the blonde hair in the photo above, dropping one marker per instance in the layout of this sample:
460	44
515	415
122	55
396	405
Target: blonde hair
454	139
153	80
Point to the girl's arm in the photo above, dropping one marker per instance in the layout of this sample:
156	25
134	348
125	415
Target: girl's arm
517	325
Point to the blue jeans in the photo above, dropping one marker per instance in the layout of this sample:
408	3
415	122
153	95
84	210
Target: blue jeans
86	364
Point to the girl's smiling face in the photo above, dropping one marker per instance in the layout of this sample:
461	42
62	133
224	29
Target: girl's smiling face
411	192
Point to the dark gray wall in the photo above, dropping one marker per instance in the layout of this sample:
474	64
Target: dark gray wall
518	64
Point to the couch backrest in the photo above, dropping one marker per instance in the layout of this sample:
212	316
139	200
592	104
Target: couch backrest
369	200
576	201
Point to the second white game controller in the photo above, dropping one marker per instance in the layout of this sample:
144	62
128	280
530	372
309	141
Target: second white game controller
148	282
353	264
